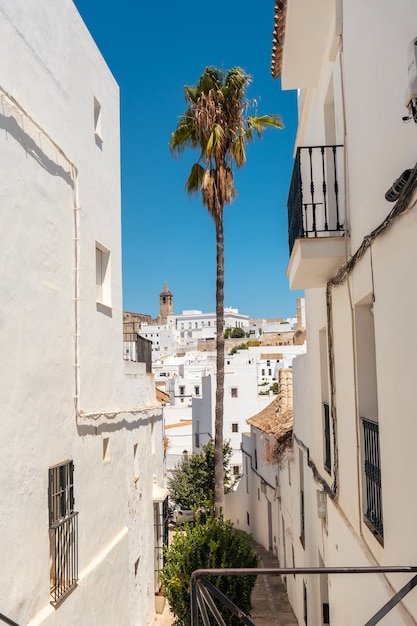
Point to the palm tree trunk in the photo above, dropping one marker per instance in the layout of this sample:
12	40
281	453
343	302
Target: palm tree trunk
218	425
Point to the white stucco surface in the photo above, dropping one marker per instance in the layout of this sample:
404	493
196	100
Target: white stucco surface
65	392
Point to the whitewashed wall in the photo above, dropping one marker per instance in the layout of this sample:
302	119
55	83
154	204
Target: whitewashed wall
366	74
66	389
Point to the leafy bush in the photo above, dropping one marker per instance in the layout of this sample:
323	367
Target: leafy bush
191	483
209	543
235	333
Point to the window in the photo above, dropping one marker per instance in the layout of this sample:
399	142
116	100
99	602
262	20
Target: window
182	390
368	408
372	469
302	507
106	449
324	377
327	445
97	122
236	470
305	611
235	427
197	433
135	462
63	530
233	392
197	390
103	286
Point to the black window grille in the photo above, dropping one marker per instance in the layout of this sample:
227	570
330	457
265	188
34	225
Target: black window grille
327	443
63	530
305	604
302	519
372	467
161	519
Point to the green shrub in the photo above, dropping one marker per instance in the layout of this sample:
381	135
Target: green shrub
208	543
191	483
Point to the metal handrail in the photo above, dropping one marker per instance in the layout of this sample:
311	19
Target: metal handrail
200	587
7	620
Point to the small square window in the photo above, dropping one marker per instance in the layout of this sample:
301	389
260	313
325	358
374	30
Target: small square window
235	427
103	277
236	470
106	449
233	392
97	121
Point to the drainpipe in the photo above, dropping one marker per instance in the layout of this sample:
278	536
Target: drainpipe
76	214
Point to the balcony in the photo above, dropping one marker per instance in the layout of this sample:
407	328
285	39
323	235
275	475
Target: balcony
316	216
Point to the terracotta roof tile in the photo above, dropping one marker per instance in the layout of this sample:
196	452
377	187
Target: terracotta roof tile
277	418
279	35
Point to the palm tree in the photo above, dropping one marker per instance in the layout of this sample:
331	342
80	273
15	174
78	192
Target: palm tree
216	123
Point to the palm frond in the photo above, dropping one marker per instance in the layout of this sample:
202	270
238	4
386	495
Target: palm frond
236	82
194	180
191	93
184	136
238	149
212	78
259	123
215	141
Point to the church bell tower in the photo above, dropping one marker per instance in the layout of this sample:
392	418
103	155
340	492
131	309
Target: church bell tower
165	304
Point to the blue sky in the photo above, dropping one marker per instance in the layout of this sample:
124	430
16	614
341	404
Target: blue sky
153	49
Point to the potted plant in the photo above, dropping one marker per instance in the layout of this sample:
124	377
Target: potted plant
159	600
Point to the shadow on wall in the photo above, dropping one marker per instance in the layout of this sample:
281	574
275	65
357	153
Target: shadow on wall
11	126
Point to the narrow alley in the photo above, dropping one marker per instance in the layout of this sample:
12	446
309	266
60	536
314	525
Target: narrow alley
269	599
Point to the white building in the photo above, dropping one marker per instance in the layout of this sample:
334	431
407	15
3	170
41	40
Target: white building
81	434
260	505
353	228
241	401
186	330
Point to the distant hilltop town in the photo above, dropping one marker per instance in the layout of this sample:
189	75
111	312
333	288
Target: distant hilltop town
195	330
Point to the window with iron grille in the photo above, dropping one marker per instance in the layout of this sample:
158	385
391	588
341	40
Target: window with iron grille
372	468
327	442
63	530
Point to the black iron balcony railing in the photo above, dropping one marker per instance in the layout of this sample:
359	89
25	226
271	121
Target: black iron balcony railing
315	199
205	597
372	466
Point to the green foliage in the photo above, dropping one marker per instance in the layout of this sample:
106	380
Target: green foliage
274	388
234	333
245	346
209	543
191	484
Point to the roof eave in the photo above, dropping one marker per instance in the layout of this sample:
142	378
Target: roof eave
278	39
